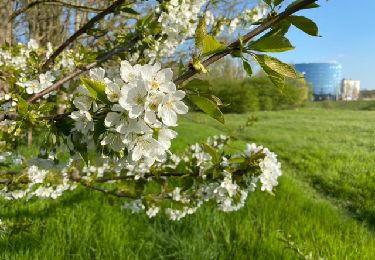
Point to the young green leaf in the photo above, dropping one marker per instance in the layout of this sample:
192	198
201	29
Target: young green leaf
277	2
96	89
211	46
47	107
211	151
247	68
22	107
310	6
200	33
208	106
181	67
280	28
217	100
304	24
276	78
237	160
271	43
276	65
268	2
129	10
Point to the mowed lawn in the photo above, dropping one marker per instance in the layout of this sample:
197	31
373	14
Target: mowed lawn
324	206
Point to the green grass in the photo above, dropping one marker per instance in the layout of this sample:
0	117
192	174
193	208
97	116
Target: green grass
323	205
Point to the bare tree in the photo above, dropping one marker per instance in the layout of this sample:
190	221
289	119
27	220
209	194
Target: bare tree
45	24
6	32
6	9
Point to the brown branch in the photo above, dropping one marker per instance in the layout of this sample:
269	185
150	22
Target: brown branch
108	192
119	178
10	116
77	178
236	44
77	72
81	31
53	2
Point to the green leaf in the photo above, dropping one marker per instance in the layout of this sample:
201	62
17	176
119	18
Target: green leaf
268	2
200	33
129	10
277	2
276	65
198	85
280	28
181	167
217	100
271	43
64	126
183	182
181	67
92	31
309	6
304	24
247	68
99	129
96	89
212	151
237	160
208	106
211	46
276	78
46	108
22	107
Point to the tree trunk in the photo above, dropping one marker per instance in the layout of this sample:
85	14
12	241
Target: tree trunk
6	8
6	32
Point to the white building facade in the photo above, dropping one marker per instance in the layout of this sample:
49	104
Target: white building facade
350	89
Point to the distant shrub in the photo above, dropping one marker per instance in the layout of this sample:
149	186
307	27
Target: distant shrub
327	104
259	93
235	97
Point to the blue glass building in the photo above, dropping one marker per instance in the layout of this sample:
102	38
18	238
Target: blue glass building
325	79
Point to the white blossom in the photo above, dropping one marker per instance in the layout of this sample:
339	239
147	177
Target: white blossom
171	106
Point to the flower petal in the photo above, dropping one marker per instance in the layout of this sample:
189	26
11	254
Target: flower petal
180	107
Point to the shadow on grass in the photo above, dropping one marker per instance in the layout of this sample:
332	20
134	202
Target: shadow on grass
33	215
352	202
39	209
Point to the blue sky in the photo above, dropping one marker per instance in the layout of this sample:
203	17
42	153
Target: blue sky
348	37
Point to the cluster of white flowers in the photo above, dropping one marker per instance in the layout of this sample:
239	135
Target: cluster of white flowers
252	15
241	21
224	190
144	104
41	183
22	59
178	23
269	166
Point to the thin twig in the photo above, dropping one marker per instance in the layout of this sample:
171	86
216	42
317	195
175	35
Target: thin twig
119	178
53	2
81	31
236	44
108	192
79	71
79	180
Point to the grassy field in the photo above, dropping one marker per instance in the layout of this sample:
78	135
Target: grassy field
324	206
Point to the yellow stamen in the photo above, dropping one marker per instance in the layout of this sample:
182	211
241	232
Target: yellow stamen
155	85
